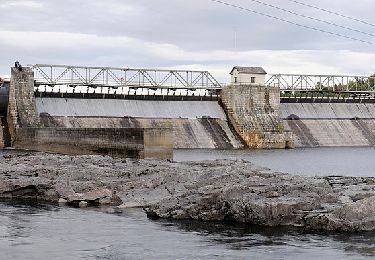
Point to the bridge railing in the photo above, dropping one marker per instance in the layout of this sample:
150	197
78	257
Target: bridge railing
93	77
335	83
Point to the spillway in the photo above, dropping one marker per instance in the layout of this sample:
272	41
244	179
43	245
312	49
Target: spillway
196	124
330	124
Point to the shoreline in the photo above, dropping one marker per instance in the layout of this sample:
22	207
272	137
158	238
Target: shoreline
220	190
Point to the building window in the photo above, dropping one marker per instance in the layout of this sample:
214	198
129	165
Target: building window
235	79
252	80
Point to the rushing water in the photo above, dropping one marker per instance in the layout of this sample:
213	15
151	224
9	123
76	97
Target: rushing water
49	232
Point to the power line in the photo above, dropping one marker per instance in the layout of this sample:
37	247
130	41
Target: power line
291	22
311	18
333	12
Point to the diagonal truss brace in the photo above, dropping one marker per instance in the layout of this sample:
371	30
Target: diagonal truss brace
55	75
337	83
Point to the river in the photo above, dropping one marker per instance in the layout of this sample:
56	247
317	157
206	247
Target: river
51	232
310	162
48	232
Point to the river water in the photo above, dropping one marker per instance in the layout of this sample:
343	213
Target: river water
51	232
311	162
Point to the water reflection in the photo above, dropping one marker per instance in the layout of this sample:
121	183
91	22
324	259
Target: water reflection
18	219
238	236
235	236
48	232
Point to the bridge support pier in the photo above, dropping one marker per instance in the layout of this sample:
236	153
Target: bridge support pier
254	112
22	110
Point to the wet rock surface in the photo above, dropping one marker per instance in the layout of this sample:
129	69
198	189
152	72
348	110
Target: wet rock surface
210	191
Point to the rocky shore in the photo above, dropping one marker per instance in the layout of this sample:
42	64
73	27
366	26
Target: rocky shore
208	191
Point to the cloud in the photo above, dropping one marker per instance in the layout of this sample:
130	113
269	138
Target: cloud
21	4
194	34
114	51
34	40
193	24
117	8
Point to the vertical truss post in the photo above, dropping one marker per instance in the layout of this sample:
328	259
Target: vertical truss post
100	78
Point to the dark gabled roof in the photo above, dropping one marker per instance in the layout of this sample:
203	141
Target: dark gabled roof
249	70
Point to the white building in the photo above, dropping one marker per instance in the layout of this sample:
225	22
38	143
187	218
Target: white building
248	76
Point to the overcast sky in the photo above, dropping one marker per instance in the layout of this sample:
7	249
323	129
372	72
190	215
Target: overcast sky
187	34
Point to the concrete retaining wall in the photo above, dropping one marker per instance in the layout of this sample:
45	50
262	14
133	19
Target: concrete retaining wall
133	142
157	143
329	125
199	133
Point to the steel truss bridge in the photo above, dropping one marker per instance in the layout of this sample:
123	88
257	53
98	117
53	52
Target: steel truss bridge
130	81
328	83
51	78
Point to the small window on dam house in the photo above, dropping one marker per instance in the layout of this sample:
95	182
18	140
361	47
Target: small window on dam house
235	79
252	80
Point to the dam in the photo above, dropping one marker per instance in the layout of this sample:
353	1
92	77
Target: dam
196	124
330	124
128	124
147	113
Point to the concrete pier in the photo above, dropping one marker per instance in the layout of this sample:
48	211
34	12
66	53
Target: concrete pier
254	112
21	102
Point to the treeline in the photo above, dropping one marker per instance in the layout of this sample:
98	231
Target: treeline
357	84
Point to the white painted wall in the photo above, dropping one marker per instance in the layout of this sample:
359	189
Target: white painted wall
244	78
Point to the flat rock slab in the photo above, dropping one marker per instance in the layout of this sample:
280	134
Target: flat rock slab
95	197
90	196
219	190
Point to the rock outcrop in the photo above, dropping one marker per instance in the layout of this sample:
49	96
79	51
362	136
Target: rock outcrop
208	191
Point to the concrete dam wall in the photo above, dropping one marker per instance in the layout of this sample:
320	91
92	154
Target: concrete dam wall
244	116
195	124
330	124
129	108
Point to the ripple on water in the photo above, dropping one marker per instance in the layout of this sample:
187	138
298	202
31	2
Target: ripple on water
49	232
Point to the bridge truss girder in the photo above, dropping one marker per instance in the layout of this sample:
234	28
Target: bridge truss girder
335	83
113	78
